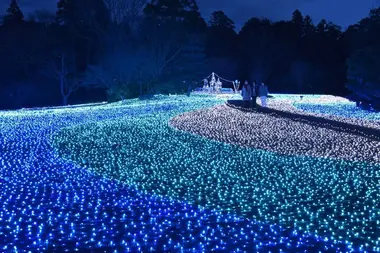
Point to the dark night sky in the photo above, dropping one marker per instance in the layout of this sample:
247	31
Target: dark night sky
341	12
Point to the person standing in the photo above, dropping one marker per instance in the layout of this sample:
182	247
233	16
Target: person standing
254	93
263	93
246	93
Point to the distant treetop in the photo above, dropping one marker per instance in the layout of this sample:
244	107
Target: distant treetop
13	14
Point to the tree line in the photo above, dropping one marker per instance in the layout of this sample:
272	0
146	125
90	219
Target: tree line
91	50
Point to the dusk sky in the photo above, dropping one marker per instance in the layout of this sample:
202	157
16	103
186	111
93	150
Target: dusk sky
341	12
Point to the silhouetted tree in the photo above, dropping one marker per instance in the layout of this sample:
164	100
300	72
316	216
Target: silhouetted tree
220	20
131	47
302	73
13	15
221	46
308	26
297	20
174	32
221	39
84	14
63	68
86	23
321	26
160	49
363	63
364	78
125	11
118	68
261	52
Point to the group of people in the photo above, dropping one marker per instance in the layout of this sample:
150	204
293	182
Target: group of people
251	92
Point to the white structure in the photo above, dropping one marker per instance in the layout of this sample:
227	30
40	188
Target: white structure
218	86
236	85
214	85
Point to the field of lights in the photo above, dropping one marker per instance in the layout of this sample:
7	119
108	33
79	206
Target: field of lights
190	174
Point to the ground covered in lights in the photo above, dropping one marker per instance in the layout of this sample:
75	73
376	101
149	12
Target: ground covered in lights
272	132
120	177
347	109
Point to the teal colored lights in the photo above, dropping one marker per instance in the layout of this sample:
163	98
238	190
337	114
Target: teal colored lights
334	198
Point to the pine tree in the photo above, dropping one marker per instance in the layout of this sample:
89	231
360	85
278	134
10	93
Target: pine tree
13	15
85	24
308	26
184	12
221	35
186	31
220	20
297	19
322	25
83	13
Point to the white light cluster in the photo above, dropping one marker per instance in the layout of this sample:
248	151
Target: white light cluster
277	134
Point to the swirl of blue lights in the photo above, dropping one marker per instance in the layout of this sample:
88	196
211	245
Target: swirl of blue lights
51	204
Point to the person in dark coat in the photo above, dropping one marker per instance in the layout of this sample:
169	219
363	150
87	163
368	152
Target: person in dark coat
254	93
263	93
246	94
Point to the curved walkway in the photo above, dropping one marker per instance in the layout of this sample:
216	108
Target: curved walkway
284	133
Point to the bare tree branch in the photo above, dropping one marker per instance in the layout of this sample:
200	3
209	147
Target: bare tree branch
62	67
159	49
125	11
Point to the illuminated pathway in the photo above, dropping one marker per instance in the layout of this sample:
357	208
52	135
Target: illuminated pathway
329	107
272	132
47	203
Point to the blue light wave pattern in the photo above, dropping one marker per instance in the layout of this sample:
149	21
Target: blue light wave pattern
292	191
51	204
